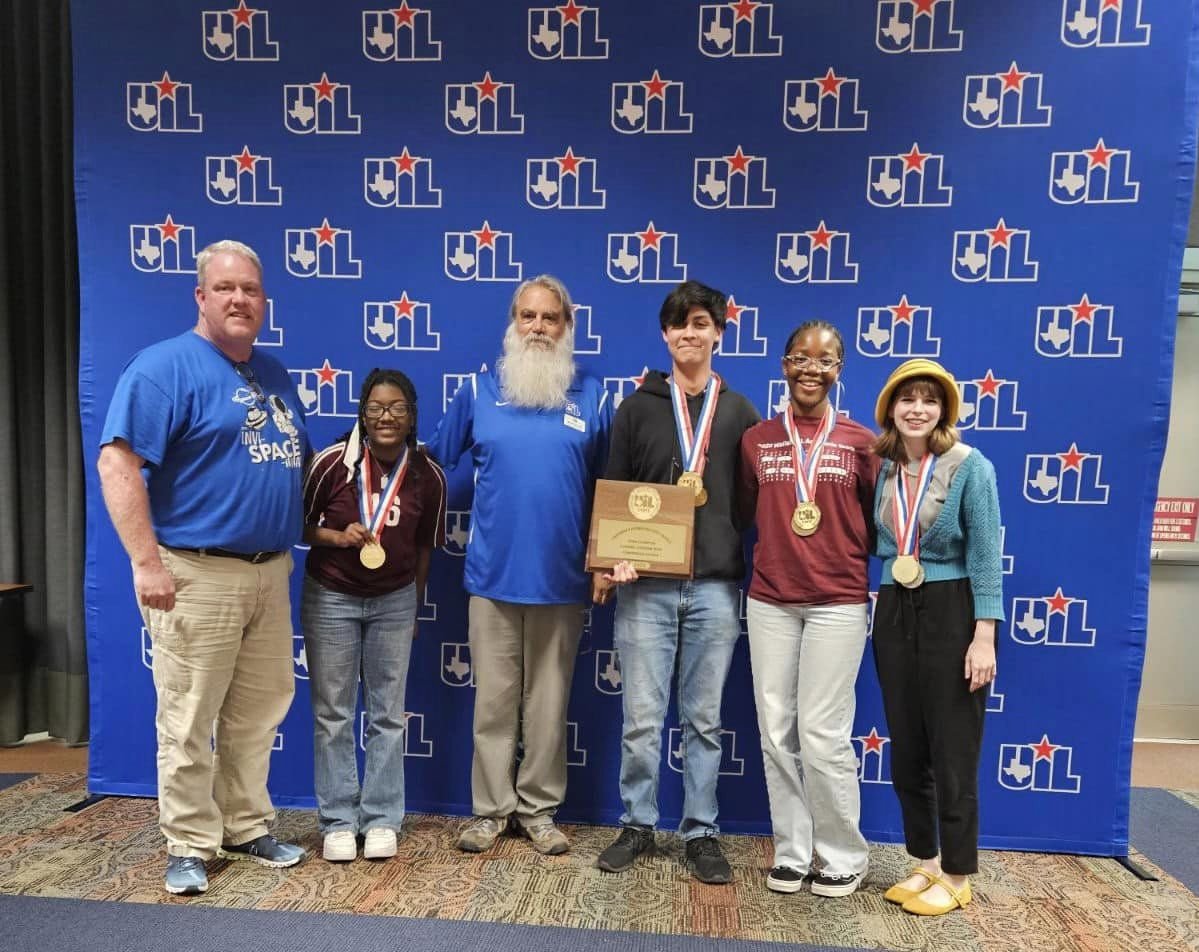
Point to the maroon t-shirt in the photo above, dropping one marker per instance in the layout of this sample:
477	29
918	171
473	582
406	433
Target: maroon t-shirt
829	566
416	521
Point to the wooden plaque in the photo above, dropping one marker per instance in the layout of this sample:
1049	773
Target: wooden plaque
649	524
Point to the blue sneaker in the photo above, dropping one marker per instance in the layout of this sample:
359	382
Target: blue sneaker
265	850
186	876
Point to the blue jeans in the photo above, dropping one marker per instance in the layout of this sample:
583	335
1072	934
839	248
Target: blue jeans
657	620
345	635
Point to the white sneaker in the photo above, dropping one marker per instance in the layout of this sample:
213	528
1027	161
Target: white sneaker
341	846
380	843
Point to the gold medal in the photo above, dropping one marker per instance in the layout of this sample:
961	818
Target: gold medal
806	519
695	483
372	555
908	571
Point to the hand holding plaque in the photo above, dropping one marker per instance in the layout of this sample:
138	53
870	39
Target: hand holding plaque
649	525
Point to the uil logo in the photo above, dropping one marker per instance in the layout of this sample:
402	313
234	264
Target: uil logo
620	387
162	106
299	657
576	755
403	35
271	334
427	609
416	744
243	179
1103	23
827	103
452	383
1008	561
323	252
565	181
745	28
608	679
732	181
242	34
998	254
400	181
911	179
873	752
648	257
326	392
1056	619
569	32
1042	767
653	105
897	330
585	341
916	26
995	700
814	257
1070	478
730	764
482	108
740	337
457	532
165	248
147	649
1077	330
1098	176
399	325
990	404
322	108
1010	100
483	255
457	670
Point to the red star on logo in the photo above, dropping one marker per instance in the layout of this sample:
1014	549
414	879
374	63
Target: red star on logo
404	161
166	88
915	159
325	373
902	311
324	89
1111	4
1083	310
1044	750
1057	604
245	161
738	161
169	229
873	742
403	306
570	12
820	237
1099	155
830	83
649	237
732	311
568	164
487	87
745	9
989	385
243	14
1013	78
485	236
655	86
924	6
324	234
403	14
1073	459
1000	234
640	378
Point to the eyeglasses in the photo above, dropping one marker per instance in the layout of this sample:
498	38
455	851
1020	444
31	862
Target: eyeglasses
804	362
375	411
247	375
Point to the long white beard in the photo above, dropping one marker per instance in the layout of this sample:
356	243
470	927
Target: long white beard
532	376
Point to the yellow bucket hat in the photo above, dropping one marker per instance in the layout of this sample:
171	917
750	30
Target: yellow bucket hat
919	367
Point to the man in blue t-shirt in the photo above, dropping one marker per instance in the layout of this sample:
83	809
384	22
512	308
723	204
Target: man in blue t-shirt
537	433
201	462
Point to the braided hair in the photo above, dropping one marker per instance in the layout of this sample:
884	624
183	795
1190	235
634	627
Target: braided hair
816	325
395	378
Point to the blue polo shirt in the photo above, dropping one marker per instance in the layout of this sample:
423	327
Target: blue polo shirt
535	472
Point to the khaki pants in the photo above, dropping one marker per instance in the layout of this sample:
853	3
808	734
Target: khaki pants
524	659
223	671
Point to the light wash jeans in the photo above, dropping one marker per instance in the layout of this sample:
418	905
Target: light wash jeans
805	661
657	620
345	636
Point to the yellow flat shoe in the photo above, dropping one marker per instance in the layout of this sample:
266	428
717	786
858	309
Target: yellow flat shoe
958	899
898	895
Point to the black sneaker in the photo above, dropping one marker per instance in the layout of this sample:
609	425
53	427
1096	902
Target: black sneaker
833	886
784	879
631	843
265	851
707	861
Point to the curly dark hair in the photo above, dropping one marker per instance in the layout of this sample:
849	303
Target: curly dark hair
396	378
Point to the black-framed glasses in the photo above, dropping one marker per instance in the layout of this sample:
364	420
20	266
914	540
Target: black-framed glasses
804	362
247	374
398	411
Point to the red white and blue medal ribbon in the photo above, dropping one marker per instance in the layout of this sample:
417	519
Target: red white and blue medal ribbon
693	441
806	464
906	569
374	518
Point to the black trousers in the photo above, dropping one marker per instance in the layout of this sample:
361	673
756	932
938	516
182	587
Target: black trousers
936	723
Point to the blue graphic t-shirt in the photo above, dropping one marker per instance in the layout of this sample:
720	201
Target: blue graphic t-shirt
224	459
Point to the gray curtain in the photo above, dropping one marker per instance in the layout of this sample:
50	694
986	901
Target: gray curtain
43	660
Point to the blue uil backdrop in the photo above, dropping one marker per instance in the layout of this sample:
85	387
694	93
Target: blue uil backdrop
1002	187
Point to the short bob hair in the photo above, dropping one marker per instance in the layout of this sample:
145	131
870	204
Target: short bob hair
687	295
889	444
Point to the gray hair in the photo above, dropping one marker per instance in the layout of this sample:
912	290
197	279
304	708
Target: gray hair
550	283
226	246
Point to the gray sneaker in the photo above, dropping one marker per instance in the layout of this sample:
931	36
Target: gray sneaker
264	850
186	876
481	833
546	837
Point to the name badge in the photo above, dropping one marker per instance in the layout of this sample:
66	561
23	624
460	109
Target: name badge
575	423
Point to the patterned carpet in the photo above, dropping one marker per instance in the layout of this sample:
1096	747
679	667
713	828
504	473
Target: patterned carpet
1024	901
